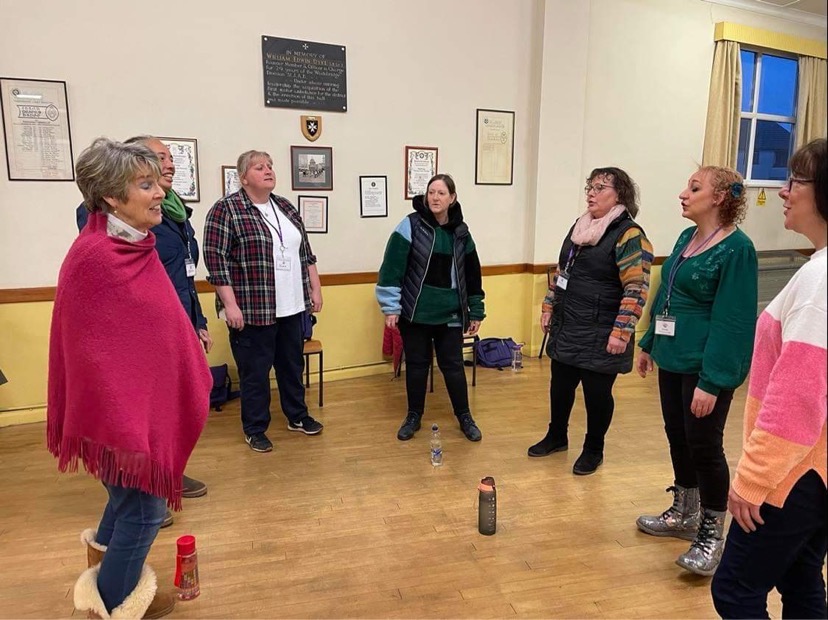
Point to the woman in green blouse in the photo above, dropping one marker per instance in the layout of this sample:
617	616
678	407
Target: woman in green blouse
701	338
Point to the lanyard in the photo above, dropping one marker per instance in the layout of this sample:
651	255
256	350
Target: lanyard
277	228
680	260
574	250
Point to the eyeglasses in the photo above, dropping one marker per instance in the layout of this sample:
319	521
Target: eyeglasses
597	188
791	180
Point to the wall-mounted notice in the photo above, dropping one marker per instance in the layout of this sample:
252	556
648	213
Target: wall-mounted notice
304	75
36	130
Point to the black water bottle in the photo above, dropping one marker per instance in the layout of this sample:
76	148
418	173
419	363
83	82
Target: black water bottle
487	507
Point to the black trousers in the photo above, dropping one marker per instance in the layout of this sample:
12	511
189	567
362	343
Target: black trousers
696	443
420	342
597	398
257	349
786	553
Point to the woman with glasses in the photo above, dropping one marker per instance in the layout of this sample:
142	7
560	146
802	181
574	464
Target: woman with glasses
779	534
590	311
701	337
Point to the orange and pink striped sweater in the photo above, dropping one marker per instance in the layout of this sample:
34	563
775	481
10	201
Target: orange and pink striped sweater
785	412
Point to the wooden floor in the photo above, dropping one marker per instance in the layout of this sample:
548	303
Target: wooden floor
354	523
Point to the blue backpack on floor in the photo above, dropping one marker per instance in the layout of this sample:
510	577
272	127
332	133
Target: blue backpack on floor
495	352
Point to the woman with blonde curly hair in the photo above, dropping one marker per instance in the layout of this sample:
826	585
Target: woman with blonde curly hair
701	337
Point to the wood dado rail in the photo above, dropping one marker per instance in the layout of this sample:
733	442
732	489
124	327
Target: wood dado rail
47	293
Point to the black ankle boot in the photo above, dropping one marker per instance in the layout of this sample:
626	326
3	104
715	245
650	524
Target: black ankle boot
587	463
469	427
548	445
410	426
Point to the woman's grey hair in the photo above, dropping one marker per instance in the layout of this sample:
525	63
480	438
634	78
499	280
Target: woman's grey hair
106	168
247	157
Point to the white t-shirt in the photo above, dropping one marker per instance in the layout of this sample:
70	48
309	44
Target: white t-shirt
290	294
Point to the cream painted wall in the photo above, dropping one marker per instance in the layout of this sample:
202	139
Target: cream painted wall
625	83
416	73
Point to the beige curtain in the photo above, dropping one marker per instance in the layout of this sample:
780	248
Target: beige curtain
721	134
811	107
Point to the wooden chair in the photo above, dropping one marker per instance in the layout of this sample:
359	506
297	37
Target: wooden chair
550	274
314	347
469	342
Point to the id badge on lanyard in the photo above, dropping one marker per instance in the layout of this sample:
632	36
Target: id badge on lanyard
665	325
190	266
563	277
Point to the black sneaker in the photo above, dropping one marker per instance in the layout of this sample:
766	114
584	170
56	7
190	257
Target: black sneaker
587	463
306	425
547	446
469	428
168	519
259	442
410	426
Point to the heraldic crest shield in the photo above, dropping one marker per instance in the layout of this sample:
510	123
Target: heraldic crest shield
311	127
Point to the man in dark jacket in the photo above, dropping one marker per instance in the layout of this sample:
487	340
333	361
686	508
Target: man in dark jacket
176	244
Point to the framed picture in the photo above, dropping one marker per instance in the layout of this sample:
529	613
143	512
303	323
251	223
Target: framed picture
311	168
36	130
314	213
420	166
230	182
494	147
184	152
373	196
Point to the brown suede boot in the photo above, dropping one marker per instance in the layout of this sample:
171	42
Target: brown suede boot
145	601
94	551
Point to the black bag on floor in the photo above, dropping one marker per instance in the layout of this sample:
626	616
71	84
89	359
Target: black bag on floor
222	387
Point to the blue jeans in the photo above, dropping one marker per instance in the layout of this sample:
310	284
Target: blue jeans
129	525
786	553
257	349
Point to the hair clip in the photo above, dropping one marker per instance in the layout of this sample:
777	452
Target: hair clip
736	189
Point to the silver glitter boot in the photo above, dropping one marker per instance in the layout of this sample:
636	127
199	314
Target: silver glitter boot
680	520
705	553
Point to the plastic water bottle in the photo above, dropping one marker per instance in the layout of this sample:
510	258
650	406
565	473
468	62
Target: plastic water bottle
436	446
487	507
517	357
186	569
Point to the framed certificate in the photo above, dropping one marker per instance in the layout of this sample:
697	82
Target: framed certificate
184	152
373	196
36	130
495	147
420	166
314	213
230	182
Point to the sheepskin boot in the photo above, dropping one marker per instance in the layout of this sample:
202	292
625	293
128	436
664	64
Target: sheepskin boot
143	602
94	551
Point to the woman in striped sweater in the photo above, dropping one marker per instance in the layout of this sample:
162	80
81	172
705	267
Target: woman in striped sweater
778	497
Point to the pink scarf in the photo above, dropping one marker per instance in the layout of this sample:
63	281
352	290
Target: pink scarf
129	386
589	230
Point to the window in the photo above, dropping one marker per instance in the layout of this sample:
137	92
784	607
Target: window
766	127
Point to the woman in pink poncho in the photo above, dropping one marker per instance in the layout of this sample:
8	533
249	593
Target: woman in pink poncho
128	383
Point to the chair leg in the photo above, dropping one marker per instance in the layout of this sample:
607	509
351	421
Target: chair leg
321	382
307	370
474	364
431	372
543	345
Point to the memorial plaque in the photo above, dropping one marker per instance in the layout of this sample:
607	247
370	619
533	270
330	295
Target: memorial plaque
304	75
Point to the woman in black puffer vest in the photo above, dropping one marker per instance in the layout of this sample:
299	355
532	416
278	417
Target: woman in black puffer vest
590	311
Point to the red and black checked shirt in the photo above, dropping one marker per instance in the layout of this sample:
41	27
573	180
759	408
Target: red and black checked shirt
238	252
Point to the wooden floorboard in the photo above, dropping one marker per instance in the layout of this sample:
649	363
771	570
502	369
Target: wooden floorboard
356	524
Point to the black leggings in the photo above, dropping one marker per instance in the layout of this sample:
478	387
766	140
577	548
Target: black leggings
419	351
597	398
696	447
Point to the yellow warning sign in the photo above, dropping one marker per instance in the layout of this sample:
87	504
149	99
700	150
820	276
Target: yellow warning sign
761	199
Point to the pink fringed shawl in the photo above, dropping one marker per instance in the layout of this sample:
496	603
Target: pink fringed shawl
129	386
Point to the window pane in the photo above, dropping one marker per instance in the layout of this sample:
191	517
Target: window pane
771	151
777	85
744	141
748	70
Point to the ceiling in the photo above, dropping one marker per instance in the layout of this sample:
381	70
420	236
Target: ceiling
817	7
